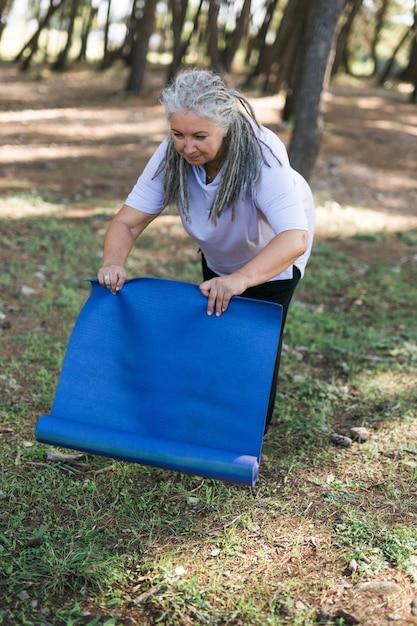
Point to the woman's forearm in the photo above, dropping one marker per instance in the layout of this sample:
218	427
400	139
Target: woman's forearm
125	227
275	258
118	242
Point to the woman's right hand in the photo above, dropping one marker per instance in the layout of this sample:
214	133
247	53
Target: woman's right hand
112	276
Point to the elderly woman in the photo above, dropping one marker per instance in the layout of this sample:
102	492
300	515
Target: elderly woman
250	213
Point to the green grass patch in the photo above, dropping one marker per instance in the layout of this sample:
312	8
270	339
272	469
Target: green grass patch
89	540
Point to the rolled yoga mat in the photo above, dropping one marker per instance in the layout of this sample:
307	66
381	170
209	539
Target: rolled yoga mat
149	377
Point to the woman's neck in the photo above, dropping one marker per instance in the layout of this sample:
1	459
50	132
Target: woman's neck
213	167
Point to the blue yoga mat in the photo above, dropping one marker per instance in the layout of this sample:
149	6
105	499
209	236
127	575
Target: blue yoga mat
149	377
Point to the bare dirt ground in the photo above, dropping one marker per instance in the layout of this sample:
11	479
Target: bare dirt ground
78	142
78	137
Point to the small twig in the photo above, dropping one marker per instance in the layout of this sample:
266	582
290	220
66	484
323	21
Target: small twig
197	488
108	468
116	500
69	468
410	451
147	594
310	504
233	521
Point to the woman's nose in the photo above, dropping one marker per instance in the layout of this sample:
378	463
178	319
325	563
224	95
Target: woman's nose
189	147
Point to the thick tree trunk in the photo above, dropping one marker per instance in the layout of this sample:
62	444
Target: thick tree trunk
143	31
213	34
104	59
178	12
290	70
320	36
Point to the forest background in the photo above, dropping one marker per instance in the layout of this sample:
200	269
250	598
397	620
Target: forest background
328	534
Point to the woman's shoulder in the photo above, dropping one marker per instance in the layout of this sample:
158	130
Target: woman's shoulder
270	138
273	148
155	160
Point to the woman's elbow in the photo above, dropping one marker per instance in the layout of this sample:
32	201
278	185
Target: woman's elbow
302	241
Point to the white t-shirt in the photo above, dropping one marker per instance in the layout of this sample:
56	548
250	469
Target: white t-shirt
282	200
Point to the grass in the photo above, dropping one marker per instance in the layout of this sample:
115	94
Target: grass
92	541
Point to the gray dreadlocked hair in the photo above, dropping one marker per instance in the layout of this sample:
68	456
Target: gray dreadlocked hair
205	93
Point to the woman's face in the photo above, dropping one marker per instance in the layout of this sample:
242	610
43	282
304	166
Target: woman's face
197	140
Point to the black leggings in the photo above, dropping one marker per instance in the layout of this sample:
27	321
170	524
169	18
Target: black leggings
280	292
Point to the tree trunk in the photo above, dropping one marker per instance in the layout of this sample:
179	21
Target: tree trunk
89	15
239	32
178	12
412	65
32	45
288	33
143	31
213	34
410	72
291	68
62	59
259	43
380	18
341	54
388	67
105	58
289	51
320	37
129	42
187	43
4	5
123	52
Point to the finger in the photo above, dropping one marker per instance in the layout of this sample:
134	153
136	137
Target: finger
225	303
107	279
100	277
205	288
219	305
120	281
222	303
103	278
212	299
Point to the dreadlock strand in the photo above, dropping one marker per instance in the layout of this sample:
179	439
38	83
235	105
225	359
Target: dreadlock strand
239	175
245	104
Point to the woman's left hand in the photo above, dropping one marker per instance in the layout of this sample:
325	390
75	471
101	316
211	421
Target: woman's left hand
220	290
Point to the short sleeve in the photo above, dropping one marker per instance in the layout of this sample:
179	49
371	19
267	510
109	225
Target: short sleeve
147	194
281	194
